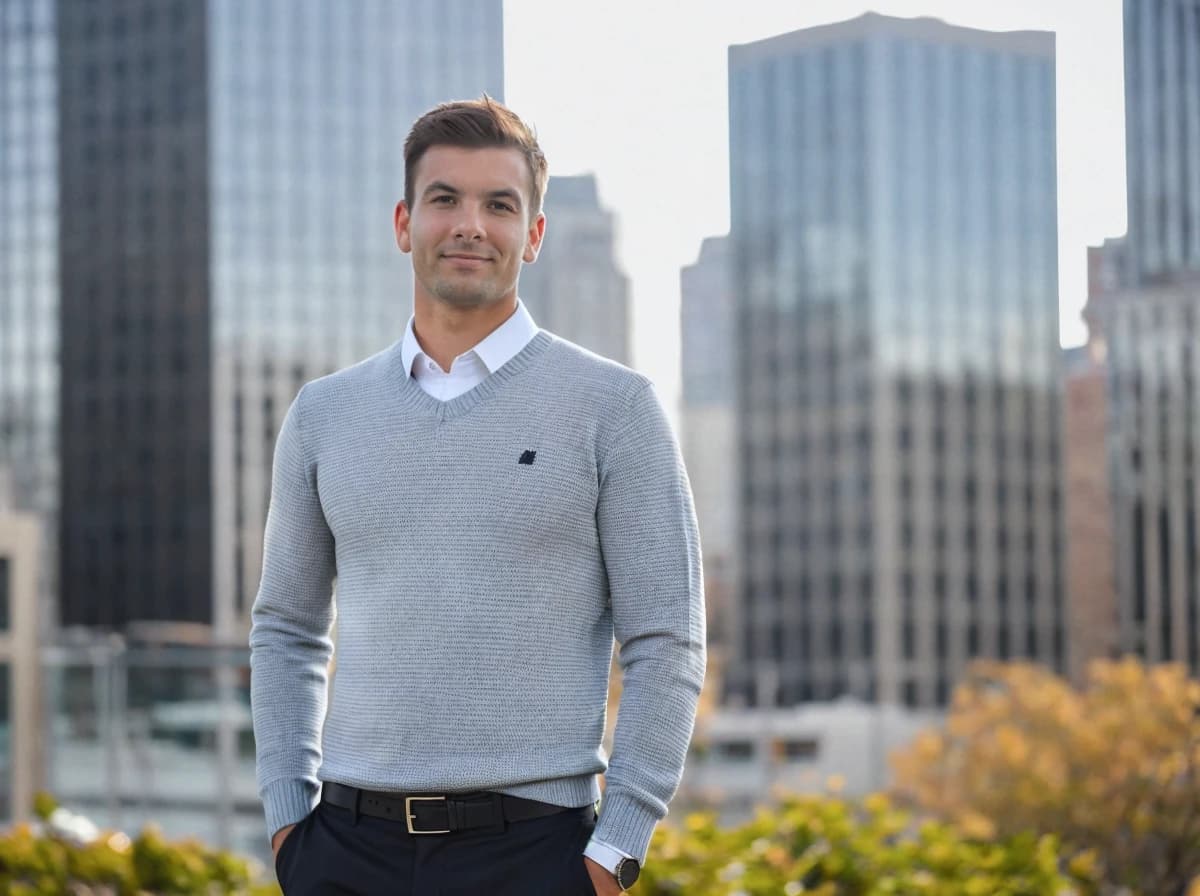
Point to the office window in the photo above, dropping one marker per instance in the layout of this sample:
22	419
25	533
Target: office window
799	750
735	750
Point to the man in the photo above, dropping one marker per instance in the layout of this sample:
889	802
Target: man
496	504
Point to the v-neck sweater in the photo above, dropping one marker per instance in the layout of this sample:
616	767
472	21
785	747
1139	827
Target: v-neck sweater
486	550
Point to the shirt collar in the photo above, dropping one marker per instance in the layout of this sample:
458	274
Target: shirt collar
495	350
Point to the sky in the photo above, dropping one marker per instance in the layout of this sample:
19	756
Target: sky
635	92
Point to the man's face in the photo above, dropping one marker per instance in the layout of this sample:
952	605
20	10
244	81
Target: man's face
470	226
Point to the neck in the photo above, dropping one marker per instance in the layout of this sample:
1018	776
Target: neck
445	332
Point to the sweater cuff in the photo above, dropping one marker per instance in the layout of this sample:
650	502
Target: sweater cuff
625	824
287	801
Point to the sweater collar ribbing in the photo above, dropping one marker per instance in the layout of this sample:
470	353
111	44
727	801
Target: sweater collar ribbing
414	398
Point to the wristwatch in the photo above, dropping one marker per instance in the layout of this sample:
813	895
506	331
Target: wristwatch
627	873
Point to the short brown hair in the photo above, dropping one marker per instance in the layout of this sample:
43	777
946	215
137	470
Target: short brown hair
475	124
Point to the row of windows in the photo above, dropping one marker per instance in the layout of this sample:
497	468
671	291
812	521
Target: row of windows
786	749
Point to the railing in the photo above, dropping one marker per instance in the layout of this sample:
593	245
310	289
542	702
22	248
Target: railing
139	735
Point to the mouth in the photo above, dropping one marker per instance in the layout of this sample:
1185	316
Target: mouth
458	256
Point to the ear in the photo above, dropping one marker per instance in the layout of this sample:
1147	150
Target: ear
401	222
533	241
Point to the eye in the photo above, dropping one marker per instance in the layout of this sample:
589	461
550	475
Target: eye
504	206
444	199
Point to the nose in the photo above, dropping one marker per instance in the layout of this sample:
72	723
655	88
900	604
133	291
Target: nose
470	223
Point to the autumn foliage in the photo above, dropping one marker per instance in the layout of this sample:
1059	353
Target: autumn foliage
1112	768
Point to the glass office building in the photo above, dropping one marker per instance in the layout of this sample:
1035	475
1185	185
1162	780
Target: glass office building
1150	328
29	378
1162	137
894	250
232	169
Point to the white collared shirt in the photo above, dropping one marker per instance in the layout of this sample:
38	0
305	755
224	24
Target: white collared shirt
466	372
472	367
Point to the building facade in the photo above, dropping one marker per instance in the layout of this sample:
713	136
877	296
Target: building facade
29	339
894	246
1162	137
1091	573
22	749
1147	322
233	169
708	429
1154	453
576	289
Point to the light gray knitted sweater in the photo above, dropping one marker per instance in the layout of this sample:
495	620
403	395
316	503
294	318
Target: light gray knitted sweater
486	550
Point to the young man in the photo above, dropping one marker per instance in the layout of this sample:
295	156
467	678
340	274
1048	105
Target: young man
496	504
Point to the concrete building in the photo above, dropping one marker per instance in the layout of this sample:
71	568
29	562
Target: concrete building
894	246
21	748
1091	579
744	758
1162	137
1154	451
708	431
576	289
232	169
1090	560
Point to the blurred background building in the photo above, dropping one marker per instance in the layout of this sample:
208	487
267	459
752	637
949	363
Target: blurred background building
29	259
231	169
576	289
21	743
894	250
1091	580
709	433
1145	321
227	174
1162	137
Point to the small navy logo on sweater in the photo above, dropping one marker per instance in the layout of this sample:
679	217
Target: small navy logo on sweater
527	457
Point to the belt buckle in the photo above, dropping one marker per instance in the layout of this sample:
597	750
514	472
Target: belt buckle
410	817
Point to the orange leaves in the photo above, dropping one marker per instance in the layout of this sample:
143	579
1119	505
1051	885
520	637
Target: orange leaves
1114	766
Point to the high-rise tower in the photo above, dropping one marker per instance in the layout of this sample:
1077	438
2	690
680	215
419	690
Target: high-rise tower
894	255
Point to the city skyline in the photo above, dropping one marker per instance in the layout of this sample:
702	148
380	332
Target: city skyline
662	163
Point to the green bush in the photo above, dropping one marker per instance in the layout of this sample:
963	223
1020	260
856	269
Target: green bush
48	858
832	847
816	845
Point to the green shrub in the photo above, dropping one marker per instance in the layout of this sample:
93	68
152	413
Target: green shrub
832	847
50	858
817	845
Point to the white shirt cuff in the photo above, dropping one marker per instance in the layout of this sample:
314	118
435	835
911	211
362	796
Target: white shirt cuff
605	855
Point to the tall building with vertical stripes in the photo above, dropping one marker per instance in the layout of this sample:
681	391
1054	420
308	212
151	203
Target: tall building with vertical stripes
576	289
894	255
707	316
1150	327
29	261
1162	137
228	173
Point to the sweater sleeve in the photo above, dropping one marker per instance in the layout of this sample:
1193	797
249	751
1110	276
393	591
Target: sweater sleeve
651	547
290	645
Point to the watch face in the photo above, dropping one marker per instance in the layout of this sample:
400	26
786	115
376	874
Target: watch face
627	873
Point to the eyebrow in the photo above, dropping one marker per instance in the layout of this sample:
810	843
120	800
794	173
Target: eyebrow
439	186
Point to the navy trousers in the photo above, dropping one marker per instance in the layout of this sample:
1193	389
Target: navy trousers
329	853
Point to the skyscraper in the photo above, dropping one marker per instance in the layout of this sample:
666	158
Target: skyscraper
894	245
29	378
1162	137
1150	325
709	428
230	171
576	289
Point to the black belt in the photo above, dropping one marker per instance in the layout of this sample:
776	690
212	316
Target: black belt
440	813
